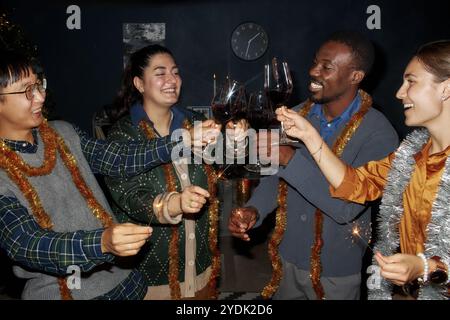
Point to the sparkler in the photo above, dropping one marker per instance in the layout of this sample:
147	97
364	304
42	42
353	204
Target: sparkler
356	235
221	173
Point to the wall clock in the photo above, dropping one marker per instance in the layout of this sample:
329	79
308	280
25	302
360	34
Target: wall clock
249	41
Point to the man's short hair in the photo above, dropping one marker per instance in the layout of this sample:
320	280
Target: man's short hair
362	49
13	67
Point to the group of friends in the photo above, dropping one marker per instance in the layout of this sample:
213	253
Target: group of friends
157	236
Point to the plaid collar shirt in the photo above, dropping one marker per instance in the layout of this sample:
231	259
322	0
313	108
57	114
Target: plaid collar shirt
28	244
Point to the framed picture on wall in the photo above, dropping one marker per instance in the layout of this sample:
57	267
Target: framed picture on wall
138	35
205	110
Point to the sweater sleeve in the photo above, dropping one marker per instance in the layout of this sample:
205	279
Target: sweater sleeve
133	195
125	158
26	243
303	174
365	183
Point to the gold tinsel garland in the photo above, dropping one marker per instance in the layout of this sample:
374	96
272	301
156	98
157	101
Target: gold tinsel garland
18	171
280	225
213	210
275	240
244	186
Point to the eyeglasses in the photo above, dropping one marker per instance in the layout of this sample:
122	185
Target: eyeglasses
31	90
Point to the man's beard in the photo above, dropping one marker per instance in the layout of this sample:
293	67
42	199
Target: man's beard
324	99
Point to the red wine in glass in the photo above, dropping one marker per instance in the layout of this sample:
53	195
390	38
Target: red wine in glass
229	103
278	98
278	85
222	113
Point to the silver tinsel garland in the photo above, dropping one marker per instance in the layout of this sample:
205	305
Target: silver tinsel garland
391	211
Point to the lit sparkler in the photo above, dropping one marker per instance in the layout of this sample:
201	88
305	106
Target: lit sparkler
221	173
356	235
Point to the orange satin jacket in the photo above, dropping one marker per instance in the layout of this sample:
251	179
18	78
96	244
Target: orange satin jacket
366	183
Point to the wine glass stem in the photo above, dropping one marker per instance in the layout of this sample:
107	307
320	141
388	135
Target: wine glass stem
282	133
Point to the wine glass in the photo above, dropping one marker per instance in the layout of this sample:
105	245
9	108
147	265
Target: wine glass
259	111
278	86
229	104
260	115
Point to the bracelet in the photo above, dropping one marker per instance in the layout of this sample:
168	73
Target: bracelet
320	148
157	206
426	268
170	219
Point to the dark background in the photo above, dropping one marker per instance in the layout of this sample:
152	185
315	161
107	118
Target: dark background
84	66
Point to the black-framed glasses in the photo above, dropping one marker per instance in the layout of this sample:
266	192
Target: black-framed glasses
31	90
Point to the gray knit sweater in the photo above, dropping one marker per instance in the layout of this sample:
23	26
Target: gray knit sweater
69	212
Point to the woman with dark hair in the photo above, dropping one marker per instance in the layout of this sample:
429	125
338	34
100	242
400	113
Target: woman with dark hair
413	250
177	199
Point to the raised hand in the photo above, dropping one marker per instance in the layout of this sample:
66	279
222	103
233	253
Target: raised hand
124	239
237	131
203	133
294	124
193	199
241	220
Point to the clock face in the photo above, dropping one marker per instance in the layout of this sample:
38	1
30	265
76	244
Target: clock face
249	41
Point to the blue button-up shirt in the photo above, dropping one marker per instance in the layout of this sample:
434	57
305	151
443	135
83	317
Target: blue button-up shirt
327	129
138	113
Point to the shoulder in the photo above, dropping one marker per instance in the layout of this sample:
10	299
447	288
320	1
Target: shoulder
189	114
299	106
67	130
62	126
376	120
123	129
378	132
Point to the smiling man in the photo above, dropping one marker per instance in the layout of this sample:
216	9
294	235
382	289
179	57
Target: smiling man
320	258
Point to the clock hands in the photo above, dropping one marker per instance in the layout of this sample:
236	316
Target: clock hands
249	41
254	37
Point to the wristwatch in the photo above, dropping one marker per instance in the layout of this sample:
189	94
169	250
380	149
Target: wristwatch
439	275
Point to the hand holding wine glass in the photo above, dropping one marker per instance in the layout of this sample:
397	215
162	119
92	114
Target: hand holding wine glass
295	125
278	86
228	108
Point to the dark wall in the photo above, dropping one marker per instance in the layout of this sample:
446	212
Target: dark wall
84	66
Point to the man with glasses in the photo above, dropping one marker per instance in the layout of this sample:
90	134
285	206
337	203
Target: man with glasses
54	218
31	90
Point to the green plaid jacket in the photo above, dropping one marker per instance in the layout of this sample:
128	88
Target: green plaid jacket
132	200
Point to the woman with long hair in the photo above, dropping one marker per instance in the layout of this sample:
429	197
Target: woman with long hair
177	199
413	249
